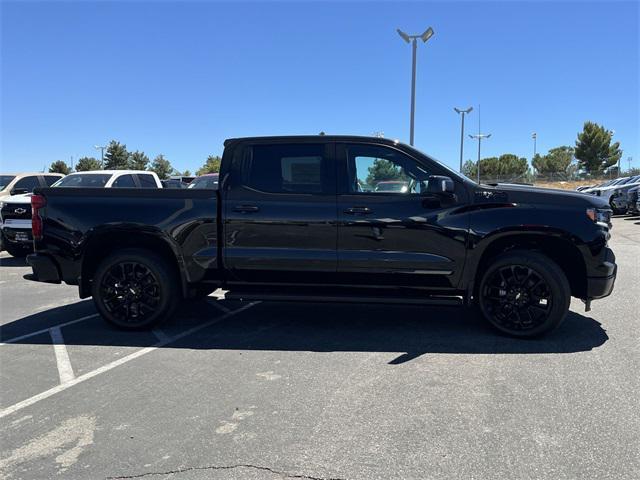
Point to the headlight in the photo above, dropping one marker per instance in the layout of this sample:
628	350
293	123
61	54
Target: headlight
600	216
1	204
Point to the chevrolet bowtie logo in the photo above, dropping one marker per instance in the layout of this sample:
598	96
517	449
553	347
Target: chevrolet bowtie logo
20	210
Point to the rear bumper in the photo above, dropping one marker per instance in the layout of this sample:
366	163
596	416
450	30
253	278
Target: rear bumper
44	268
602	285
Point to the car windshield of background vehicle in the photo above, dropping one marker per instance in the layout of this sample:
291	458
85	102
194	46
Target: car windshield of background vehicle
5	180
96	180
209	181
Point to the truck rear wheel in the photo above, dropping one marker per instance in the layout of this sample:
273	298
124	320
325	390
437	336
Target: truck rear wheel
524	294
135	289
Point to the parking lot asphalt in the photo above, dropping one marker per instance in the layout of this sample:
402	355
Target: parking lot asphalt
231	390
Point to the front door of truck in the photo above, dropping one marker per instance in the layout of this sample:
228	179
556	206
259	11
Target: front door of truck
390	230
280	214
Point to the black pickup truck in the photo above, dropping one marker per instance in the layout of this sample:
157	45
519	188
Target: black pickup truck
303	218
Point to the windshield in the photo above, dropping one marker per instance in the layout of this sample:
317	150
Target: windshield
95	180
5	180
209	181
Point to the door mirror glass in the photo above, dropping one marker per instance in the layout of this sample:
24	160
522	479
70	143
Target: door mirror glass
439	184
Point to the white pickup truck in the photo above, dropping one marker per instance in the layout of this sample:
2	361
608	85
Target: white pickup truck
15	208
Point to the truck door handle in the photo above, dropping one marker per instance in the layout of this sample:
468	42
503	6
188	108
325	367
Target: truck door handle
358	211
245	208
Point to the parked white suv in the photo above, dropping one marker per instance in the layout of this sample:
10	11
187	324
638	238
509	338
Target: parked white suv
111	179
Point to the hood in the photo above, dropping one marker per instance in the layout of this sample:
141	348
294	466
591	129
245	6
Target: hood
528	194
24	199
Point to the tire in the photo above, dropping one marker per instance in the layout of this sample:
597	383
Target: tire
135	289
17	251
524	294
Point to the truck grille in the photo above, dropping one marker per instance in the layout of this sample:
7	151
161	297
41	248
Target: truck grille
16	211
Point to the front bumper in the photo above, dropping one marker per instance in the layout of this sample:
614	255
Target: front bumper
17	236
44	268
602	285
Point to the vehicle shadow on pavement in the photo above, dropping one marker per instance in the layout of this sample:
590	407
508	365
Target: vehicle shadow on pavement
410	330
12	262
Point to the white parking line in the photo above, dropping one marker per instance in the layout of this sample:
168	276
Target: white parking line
121	361
160	335
65	370
218	305
45	330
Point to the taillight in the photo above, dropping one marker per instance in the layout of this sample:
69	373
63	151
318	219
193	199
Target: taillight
37	202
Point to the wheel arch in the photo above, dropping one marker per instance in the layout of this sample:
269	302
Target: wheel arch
558	246
101	244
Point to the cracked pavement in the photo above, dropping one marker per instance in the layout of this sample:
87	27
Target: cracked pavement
321	391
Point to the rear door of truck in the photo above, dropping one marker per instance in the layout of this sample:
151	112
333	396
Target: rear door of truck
280	213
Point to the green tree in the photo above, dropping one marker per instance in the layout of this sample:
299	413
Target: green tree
162	167
557	160
594	150
382	170
116	156
505	167
59	166
469	169
138	161
186	173
87	163
212	165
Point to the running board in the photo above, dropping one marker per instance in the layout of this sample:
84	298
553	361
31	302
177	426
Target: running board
275	297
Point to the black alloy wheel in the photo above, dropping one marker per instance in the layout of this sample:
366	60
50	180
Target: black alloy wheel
134	289
524	294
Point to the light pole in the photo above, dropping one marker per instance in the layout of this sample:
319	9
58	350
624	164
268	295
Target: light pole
101	148
534	135
479	137
462	112
413	40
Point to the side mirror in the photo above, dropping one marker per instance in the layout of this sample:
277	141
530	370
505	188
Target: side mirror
18	191
439	184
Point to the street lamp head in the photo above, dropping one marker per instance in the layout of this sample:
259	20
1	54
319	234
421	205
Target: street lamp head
428	33
404	36
488	135
460	110
534	135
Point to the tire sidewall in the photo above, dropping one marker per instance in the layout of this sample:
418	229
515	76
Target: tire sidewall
550	272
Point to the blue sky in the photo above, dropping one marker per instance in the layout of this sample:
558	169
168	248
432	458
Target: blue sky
179	77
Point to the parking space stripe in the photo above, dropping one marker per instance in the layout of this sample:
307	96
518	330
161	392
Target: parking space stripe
160	335
45	330
121	361
218	305
65	370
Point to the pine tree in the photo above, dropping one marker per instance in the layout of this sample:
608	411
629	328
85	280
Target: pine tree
594	151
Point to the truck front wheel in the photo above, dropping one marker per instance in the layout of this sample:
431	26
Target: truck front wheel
524	294
135	289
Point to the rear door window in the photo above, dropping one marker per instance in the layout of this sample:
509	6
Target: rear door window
27	183
124	181
288	168
51	179
147	181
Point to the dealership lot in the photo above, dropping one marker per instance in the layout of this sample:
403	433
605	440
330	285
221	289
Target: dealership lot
274	390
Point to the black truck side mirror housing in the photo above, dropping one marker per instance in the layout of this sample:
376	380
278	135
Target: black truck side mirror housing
439	185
